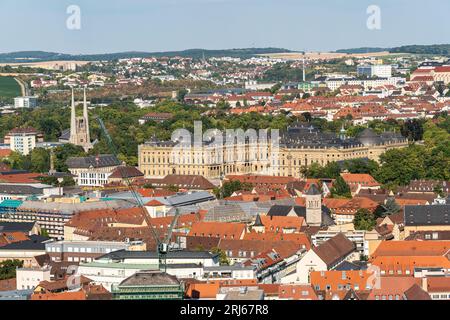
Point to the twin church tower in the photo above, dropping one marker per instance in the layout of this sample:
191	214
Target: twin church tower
79	125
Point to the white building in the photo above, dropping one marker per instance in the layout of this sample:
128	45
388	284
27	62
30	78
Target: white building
29	278
92	171
254	85
113	268
23	140
378	70
23	143
25	102
324	257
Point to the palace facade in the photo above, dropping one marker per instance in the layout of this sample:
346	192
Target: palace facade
300	145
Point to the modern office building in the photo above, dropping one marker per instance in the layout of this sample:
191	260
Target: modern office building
380	71
23	140
25	102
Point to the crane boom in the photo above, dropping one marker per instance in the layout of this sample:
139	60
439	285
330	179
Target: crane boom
162	247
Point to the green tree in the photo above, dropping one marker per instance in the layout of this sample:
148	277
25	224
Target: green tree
340	189
361	166
8	268
391	206
44	232
380	211
364	220
173	188
223	259
229	187
40	160
316	171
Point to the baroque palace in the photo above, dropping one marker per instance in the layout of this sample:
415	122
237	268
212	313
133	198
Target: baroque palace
300	145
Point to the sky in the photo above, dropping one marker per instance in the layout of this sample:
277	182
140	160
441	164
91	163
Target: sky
161	25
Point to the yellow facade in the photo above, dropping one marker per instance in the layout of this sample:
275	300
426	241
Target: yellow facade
212	162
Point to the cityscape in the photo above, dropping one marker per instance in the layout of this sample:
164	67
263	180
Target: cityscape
256	172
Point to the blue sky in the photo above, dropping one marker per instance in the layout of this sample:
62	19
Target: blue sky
161	25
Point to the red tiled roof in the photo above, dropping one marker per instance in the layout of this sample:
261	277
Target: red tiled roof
442	69
297	292
363	179
154	203
412	248
438	284
221	230
393	288
5	153
20	178
68	295
334	249
399	265
280	223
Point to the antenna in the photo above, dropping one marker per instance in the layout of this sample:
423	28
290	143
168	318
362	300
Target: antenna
304	75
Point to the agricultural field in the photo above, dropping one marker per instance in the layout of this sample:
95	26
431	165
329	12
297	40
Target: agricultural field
9	88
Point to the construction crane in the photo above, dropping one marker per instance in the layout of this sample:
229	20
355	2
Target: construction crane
162	246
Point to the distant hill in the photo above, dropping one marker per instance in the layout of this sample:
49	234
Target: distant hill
39	56
438	49
362	50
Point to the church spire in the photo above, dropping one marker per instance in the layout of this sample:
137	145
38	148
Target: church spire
86	115
73	121
79	126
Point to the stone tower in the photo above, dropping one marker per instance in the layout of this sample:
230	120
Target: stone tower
313	206
79	126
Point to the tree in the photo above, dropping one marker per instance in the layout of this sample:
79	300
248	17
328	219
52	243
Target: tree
173	188
380	211
316	171
223	259
439	190
364	220
391	206
307	116
340	189
361	166
412	129
44	232
62	153
400	166
229	187
40	160
8	268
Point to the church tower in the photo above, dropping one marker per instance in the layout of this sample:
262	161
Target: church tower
79	126
313	206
